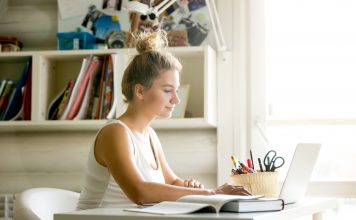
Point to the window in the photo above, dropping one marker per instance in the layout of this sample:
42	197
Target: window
311	81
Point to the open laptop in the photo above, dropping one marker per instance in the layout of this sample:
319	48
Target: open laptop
299	172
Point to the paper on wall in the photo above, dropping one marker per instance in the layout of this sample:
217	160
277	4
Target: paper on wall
70	8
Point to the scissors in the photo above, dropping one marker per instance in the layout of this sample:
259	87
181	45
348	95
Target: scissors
272	162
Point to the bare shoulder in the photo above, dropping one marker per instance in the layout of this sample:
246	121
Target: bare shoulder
111	131
111	139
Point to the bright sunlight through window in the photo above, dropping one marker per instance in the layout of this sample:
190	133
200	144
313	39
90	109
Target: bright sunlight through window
311	80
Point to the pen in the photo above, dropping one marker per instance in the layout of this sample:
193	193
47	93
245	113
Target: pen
259	163
253	166
233	161
248	170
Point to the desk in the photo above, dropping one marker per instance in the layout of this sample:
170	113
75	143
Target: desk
309	206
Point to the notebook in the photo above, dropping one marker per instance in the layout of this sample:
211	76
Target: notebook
299	172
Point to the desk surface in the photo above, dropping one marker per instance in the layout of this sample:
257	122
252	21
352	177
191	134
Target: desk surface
306	207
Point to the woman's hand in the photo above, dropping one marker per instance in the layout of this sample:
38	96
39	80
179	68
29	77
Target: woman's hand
231	190
192	183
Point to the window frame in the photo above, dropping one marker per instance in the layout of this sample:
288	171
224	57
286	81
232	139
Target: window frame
243	126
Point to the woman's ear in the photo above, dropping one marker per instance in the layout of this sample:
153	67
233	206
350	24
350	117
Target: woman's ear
139	91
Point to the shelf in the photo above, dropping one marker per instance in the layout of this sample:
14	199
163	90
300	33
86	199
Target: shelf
183	123
51	70
178	51
30	126
95	125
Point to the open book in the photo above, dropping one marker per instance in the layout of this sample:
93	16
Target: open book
213	203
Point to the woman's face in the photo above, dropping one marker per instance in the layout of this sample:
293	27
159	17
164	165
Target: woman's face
162	97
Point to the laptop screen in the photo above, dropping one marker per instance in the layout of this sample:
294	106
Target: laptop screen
299	172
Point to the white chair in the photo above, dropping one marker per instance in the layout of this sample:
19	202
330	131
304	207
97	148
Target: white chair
42	203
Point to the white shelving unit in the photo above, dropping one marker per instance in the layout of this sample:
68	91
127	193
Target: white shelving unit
51	70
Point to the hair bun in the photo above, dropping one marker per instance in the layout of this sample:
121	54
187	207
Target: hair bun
151	41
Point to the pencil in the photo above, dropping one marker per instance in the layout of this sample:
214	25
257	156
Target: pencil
259	162
253	166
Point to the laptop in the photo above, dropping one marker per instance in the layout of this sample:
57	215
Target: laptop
299	172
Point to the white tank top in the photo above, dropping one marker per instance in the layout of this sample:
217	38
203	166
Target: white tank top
100	188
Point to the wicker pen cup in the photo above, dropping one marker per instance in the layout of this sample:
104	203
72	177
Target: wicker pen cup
260	183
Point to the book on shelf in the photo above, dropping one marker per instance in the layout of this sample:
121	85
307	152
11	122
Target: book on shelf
108	95
19	115
92	67
99	99
114	99
213	203
5	96
93	95
77	84
16	101
58	103
2	86
85	103
54	105
27	97
8	101
65	98
103	90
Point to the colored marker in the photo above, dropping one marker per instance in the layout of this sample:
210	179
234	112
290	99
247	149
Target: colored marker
233	161
250	166
249	163
246	168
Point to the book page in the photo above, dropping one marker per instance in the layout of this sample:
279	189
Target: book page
174	208
217	200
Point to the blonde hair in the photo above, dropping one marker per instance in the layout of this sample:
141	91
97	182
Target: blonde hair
149	63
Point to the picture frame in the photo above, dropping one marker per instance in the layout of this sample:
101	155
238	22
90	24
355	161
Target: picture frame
183	94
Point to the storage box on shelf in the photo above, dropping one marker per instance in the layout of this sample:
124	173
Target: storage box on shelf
53	69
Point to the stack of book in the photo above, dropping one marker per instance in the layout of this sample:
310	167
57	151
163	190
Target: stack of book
15	96
90	96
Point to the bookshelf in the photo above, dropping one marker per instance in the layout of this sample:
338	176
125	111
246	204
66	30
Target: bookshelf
52	69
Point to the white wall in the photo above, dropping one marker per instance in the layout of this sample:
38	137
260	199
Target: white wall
32	23
57	159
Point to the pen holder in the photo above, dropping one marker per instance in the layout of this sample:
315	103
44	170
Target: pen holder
260	183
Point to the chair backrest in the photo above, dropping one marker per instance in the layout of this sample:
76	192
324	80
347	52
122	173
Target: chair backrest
42	203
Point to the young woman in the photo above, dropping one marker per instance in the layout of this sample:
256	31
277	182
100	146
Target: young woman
126	163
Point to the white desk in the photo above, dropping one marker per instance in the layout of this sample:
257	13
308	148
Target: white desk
307	207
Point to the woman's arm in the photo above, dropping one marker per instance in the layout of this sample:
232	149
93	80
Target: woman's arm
114	150
172	179
169	176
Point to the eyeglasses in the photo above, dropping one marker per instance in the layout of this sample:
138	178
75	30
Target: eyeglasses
151	16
